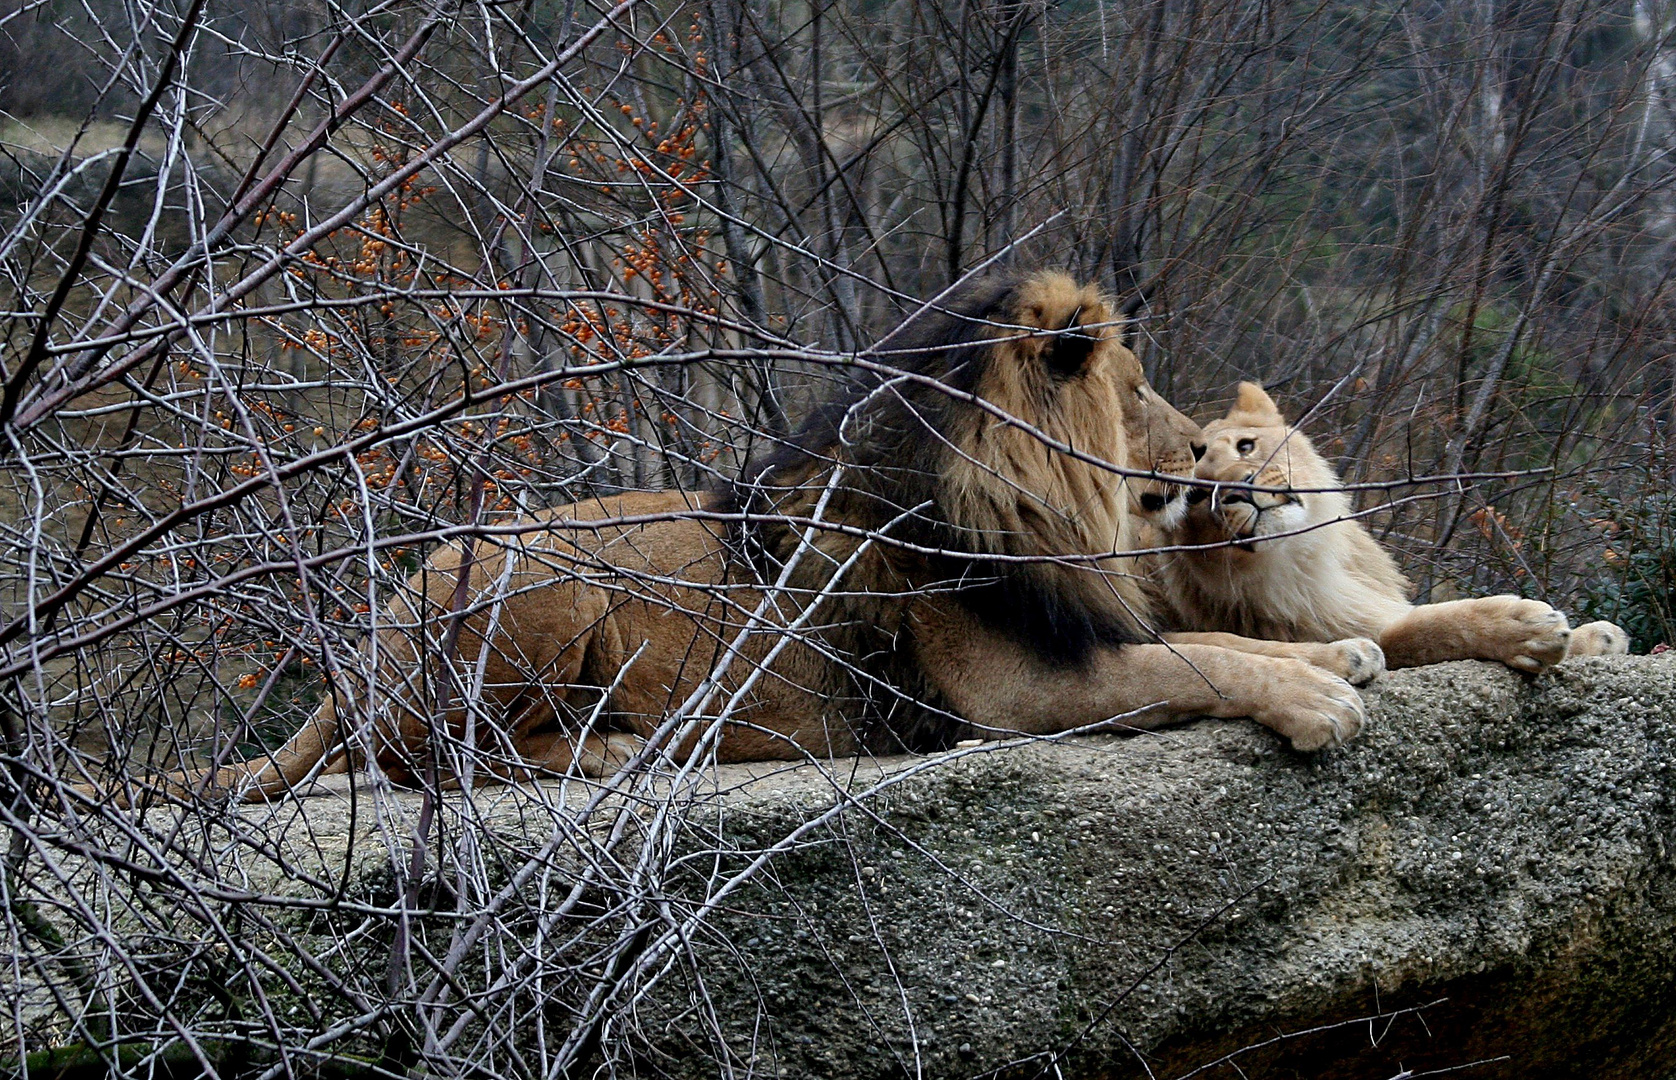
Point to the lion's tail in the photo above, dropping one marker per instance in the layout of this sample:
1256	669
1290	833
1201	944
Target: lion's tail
280	772
255	780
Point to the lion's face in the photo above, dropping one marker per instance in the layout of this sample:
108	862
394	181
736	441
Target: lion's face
1157	438
1253	445
1162	440
1073	376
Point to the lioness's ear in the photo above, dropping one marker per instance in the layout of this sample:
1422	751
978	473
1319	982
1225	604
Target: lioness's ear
1253	402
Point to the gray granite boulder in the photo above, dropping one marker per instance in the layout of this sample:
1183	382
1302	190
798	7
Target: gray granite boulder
1483	877
1481	882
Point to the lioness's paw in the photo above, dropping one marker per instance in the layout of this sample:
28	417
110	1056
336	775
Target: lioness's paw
1320	710
1357	660
1530	634
1598	639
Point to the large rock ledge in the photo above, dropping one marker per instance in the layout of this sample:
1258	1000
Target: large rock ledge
1493	852
1484	876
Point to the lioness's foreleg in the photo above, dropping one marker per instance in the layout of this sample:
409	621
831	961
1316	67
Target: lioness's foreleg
1356	660
1526	635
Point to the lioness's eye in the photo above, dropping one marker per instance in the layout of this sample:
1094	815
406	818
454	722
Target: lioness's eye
1246	446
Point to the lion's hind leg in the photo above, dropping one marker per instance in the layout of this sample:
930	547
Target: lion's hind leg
547	755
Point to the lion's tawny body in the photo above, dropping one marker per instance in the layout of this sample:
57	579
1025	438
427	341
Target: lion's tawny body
966	576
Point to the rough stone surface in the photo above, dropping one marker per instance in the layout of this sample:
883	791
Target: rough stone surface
1492	851
1484	876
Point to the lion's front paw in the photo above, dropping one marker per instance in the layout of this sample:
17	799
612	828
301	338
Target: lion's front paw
1598	639
1318	710
1357	660
1529	635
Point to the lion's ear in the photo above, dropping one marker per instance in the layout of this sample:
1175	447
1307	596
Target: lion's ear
1127	317
1070	347
1253	402
1123	332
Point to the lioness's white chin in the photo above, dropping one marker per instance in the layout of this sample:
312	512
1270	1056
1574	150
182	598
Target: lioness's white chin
1269	533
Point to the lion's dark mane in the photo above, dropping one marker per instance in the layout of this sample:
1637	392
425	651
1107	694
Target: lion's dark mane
888	434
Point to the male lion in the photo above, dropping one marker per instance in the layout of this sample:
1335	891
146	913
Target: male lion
1322	577
931	557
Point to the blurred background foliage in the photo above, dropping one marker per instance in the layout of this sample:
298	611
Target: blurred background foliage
303	288
1442	232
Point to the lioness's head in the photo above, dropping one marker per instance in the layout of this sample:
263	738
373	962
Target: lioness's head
1253	445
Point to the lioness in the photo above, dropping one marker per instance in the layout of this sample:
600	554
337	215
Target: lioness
1299	569
933	556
